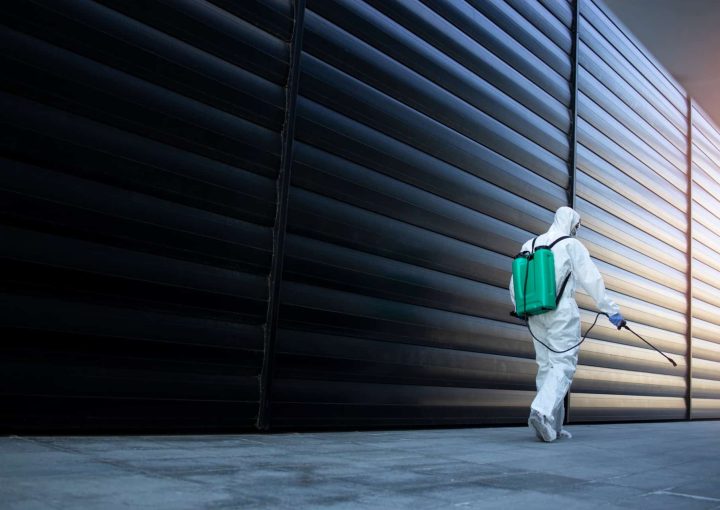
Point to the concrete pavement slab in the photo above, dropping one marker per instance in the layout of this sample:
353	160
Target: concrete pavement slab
645	465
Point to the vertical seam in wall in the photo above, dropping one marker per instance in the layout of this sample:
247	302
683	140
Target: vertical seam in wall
283	192
688	356
572	161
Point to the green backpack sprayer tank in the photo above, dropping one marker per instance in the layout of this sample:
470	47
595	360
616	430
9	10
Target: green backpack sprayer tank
534	280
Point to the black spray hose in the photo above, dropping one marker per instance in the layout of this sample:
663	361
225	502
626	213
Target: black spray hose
571	348
623	324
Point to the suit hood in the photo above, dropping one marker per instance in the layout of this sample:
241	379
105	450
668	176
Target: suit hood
565	219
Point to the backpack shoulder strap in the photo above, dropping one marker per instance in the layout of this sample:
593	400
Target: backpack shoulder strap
558	240
532	248
562	289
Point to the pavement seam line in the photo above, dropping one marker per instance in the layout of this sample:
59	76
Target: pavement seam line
683	495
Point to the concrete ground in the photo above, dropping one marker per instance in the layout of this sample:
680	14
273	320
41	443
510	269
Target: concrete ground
647	466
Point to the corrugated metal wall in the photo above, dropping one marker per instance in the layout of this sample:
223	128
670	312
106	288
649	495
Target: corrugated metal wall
142	161
631	185
432	140
706	266
140	147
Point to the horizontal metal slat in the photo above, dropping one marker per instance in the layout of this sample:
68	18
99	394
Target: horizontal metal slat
706	369
485	32
641	60
41	260
705	126
620	207
325	310
632	143
65	378
399	63
705	408
117	99
341	136
562	10
345	360
200	24
120	414
173	65
633	102
627	234
592	407
625	282
624	68
448	146
59	201
706	284
376	232
441	37
521	30
622	160
56	315
636	262
702	349
541	17
388	116
274	16
329	266
601	380
590	164
469	215
638	311
663	138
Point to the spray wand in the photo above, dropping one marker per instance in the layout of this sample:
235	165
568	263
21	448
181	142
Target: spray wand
623	324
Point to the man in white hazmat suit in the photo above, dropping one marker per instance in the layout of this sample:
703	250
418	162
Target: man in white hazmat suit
560	328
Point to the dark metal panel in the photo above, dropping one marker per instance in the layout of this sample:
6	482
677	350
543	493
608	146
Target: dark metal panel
466	208
326	219
496	126
273	16
140	147
442	39
489	35
358	143
415	181
589	380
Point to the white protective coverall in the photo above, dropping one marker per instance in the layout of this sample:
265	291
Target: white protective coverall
560	328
